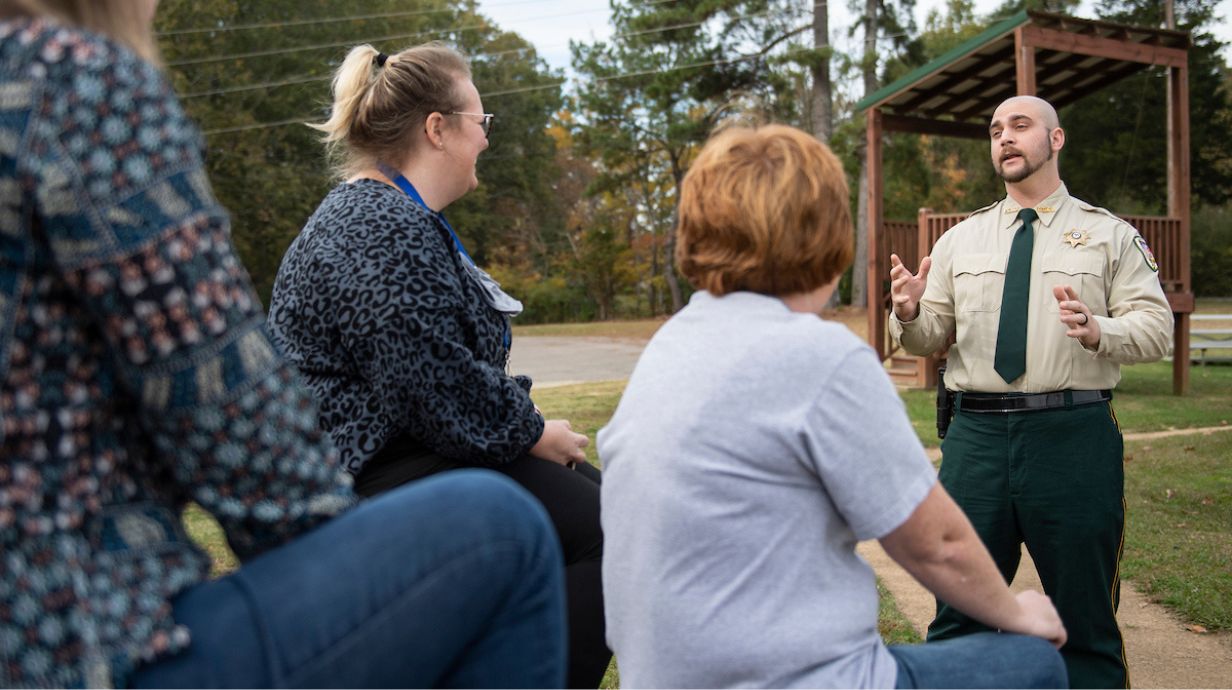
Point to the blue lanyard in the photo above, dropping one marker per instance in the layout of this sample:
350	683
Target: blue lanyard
406	186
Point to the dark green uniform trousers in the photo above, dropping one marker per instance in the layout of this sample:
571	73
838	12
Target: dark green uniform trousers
1053	479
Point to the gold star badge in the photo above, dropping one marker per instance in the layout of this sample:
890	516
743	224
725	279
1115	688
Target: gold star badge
1076	237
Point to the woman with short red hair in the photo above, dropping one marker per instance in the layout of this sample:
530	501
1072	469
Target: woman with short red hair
756	443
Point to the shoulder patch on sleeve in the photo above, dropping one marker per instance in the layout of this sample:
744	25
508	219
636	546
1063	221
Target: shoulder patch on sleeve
1147	255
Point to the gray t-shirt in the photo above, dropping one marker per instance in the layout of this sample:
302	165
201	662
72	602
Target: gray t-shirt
753	447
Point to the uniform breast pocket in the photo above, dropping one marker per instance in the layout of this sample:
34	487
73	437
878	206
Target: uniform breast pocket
1084	273
978	282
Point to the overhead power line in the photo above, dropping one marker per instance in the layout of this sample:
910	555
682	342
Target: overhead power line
358	41
334	20
257	125
433	32
303	79
307	79
298	49
303	22
538	87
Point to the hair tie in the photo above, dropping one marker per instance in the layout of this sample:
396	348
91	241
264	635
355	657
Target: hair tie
380	59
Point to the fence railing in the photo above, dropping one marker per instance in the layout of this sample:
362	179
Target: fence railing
1163	236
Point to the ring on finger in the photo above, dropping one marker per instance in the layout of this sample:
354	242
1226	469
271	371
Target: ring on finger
1085	318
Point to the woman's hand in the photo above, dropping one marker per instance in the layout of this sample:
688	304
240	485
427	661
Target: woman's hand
1039	618
559	444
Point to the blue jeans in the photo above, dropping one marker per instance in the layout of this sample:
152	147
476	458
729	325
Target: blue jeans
981	660
454	581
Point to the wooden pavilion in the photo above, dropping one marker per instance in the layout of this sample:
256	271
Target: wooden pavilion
1060	59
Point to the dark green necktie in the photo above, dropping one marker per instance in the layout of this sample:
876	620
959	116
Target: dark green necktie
1011	358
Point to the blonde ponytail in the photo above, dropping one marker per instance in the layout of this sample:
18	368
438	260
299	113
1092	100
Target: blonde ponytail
376	107
351	86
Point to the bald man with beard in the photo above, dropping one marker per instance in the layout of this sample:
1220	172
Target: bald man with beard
1046	297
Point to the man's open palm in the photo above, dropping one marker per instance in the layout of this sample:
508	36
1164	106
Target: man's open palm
907	289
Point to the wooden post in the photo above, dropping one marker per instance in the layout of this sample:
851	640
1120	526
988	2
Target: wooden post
1178	207
1169	115
1024	62
876	228
926	377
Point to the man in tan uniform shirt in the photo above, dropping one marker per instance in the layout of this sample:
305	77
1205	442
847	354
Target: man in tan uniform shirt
1038	458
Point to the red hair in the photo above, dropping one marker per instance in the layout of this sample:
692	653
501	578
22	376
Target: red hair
764	210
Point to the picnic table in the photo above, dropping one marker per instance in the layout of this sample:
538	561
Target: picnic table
1217	341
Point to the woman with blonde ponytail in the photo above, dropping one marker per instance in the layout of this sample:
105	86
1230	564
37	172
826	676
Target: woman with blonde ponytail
404	339
137	377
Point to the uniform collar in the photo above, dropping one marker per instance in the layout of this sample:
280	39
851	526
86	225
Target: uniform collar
1047	209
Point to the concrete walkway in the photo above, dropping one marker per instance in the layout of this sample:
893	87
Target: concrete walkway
1162	651
560	361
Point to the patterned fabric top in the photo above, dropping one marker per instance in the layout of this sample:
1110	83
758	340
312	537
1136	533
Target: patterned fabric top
135	371
374	306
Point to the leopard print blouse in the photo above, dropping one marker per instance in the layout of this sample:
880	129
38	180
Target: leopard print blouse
393	333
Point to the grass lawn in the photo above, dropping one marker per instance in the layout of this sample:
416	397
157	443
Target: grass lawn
891	623
587	406
1178	546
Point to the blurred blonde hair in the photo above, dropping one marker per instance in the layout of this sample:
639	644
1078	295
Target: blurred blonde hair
375	108
764	210
124	21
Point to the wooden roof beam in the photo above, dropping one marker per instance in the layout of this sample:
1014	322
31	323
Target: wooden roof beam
945	128
952	79
1049	64
1064	41
992	98
1097	82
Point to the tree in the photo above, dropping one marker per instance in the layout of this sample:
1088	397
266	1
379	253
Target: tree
877	15
251	73
823	98
1123	166
668	77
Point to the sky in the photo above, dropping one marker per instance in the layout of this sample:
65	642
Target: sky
550	24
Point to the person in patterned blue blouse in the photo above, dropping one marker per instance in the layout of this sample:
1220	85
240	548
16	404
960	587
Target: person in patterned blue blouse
136	376
404	339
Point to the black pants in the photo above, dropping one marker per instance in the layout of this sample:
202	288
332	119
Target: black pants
571	497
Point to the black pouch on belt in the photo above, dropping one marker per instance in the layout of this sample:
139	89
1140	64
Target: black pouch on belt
945	404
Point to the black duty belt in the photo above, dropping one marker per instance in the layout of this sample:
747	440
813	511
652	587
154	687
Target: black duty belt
1026	402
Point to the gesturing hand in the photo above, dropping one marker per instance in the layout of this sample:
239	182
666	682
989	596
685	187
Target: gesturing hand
1077	317
559	444
907	289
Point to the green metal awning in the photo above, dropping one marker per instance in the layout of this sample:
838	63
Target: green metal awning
967	83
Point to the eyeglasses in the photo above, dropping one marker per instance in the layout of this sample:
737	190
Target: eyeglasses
486	124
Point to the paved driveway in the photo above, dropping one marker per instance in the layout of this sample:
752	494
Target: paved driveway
556	361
